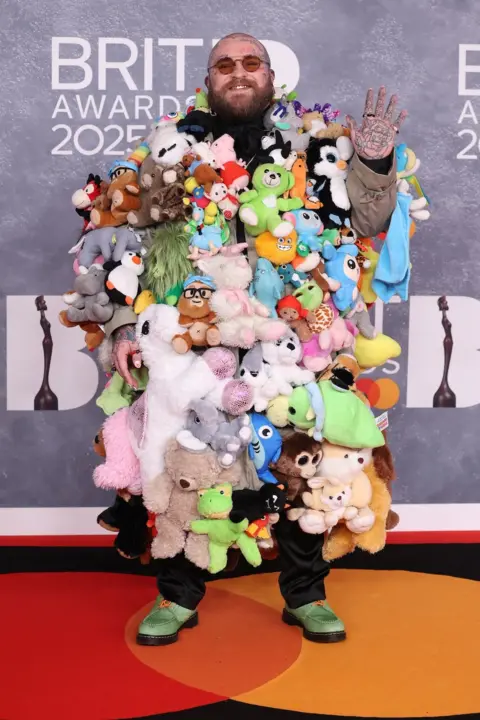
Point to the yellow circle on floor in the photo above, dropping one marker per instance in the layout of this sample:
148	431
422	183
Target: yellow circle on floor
412	648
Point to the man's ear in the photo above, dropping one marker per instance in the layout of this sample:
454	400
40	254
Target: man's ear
272	74
206	81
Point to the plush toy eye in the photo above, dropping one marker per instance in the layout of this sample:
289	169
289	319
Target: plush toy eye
145	328
316	217
222	492
265	432
242	372
331	497
305	216
292	411
196	420
266	171
302	460
346	456
331	158
89	189
315	459
278	343
351	264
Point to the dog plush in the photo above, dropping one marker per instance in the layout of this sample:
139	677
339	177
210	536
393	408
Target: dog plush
282	357
172	496
174	382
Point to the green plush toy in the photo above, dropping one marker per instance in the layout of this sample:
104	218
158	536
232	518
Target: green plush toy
215	504
261	207
348	421
309	295
166	263
118	394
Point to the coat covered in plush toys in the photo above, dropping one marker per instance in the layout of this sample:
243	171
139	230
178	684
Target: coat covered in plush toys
289	413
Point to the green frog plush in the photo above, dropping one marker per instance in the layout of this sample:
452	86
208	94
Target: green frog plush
261	207
215	504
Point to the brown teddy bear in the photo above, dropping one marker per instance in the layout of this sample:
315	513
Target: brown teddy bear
172	496
203	173
297	463
196	315
161	196
313	120
122	196
380	472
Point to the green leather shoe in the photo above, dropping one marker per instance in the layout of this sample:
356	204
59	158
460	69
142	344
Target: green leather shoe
163	623
319	622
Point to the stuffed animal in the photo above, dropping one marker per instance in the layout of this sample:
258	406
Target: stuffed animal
172	496
256	373
205	239
361	319
282	115
342	265
297	463
241	319
299	172
290	310
320	315
122	195
168	148
215	505
226	200
128	518
261	206
83	200
282	357
121	469
195	314
266	286
227	437
203	173
202	200
118	394
122	284
290	276
308	226
175	381
278	251
89	302
109	242
314	123
161	199
275	150
232	171
327	161
265	447
324	504
94	335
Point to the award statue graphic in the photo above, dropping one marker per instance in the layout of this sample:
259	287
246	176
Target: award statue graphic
445	397
45	399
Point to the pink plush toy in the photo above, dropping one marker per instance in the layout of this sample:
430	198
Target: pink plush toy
314	358
241	319
232	171
121	469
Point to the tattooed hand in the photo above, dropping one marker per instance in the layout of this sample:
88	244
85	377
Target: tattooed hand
376	136
125	346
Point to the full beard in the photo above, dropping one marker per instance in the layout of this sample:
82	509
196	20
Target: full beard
247	110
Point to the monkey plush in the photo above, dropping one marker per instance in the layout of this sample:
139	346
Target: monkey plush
196	316
290	310
298	463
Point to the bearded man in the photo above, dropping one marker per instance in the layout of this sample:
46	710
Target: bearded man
240	82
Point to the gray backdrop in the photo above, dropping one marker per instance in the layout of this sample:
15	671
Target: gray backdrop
343	47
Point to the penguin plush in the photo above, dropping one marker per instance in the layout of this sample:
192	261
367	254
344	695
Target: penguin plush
121	283
327	162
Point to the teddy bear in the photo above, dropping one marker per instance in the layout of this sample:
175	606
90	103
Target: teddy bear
172	496
210	426
196	315
174	382
89	302
241	319
223	530
342	540
122	196
282	357
108	242
260	207
324	505
162	200
297	463
314	124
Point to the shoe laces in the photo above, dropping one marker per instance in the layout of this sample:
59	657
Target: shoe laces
321	603
165	604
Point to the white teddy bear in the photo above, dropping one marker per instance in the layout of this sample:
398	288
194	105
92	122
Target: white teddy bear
174	382
282	357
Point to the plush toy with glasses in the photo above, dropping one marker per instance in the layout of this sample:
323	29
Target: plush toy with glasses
196	316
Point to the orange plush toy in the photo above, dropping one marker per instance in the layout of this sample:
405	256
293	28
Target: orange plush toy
122	196
341	540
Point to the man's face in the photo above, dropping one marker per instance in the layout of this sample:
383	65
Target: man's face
241	94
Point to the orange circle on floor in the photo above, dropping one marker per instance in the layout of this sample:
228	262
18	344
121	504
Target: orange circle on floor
412	647
389	393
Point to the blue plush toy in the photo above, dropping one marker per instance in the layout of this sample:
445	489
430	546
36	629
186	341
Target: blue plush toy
288	275
308	227
267	286
341	265
265	447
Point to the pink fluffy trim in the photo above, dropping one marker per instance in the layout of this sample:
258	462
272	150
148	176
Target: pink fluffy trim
121	469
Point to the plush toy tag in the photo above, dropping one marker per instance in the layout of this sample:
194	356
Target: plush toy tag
270	201
382	421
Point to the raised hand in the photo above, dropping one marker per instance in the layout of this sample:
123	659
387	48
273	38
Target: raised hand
125	346
376	136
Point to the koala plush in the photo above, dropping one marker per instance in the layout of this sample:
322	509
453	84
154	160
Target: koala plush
282	357
227	437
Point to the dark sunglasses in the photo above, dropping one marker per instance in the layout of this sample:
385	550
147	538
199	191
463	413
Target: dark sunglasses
250	63
204	293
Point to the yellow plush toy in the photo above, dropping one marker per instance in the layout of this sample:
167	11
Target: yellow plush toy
280	251
375	352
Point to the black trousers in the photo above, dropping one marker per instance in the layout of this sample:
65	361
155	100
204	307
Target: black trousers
301	581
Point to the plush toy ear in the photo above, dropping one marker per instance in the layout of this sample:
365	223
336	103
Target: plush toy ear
328	251
290	217
345	147
202	265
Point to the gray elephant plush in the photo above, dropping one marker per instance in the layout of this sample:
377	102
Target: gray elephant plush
361	319
110	242
227	437
89	302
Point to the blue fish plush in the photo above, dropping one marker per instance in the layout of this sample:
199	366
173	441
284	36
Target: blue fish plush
265	447
267	286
